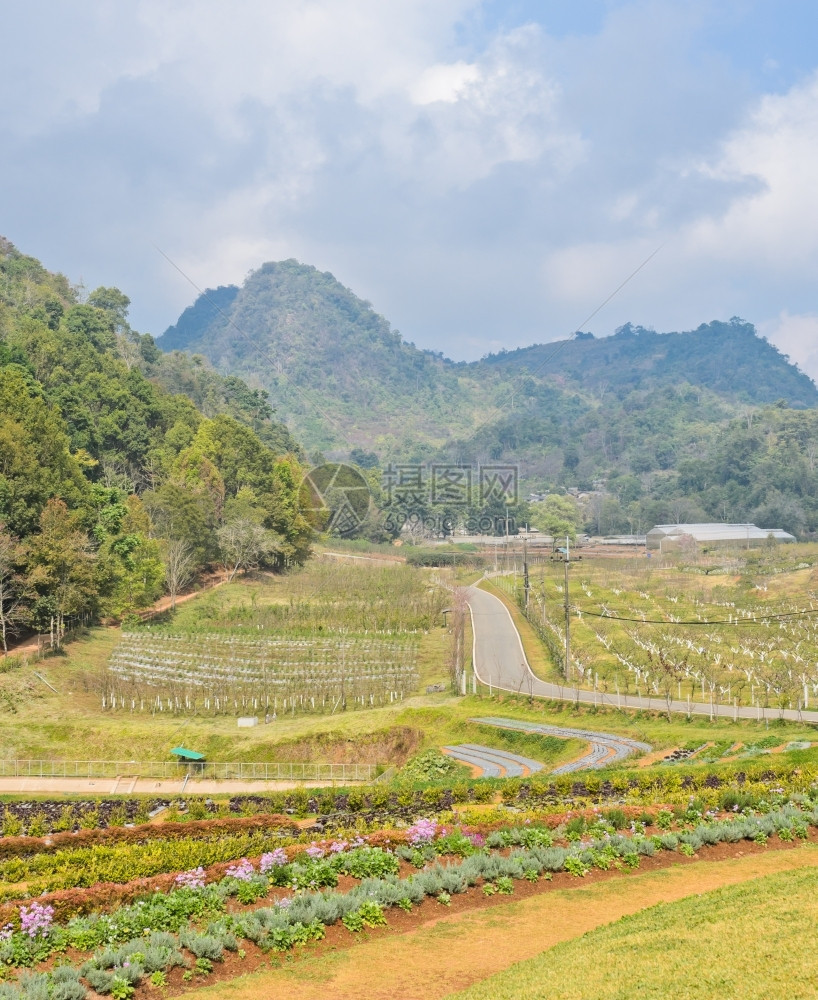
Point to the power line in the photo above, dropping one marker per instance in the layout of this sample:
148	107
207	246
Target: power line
759	620
518	380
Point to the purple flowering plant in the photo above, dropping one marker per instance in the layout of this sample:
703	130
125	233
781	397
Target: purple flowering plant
243	871
273	859
194	879
422	832
36	919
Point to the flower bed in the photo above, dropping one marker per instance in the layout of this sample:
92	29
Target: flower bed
11	847
379	804
201	914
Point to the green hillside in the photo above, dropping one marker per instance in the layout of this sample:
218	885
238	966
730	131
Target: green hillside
337	371
710	424
729	359
124	471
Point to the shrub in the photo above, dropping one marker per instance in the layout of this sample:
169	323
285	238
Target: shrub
574	865
202	945
66	984
617	818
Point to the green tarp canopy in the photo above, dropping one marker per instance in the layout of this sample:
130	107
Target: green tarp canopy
187	754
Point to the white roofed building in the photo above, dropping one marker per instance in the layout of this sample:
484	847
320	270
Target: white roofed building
666	536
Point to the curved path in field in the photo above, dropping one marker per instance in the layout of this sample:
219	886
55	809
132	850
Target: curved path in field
605	748
500	662
493	763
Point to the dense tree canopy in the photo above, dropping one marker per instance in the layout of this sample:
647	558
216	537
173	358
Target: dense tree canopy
106	466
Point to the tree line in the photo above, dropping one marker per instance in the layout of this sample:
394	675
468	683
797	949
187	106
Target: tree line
115	486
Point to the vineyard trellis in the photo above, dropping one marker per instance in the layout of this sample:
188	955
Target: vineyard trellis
657	635
223	674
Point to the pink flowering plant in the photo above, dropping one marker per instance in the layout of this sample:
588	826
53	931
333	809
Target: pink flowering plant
273	859
36	919
422	832
243	871
194	879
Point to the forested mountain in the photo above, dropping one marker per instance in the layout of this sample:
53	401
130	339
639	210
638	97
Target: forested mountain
727	358
123	470
336	369
655	420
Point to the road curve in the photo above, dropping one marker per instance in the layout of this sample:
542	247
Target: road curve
605	748
500	662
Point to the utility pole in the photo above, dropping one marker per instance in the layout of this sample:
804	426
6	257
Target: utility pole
526	584
566	562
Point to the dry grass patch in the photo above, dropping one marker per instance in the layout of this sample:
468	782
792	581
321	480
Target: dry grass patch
450	953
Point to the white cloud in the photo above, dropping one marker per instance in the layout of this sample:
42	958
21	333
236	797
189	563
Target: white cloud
796	336
775	225
479	186
444	82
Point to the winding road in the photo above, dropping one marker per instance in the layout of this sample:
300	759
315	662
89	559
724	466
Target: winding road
604	749
500	662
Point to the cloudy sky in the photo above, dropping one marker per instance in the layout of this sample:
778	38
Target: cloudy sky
485	173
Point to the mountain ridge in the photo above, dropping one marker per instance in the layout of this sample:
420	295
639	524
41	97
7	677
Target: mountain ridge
655	417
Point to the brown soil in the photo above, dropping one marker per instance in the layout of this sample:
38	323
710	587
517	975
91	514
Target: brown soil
396	744
653	758
435	950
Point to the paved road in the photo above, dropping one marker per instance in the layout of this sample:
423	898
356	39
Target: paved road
500	662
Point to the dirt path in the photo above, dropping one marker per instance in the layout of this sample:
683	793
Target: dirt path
452	952
369	557
131	785
32	646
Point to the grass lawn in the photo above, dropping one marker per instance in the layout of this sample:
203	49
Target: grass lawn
743	942
449	952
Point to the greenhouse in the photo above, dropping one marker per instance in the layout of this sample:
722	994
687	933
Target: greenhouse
663	537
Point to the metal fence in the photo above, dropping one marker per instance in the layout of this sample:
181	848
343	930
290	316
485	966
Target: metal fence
171	769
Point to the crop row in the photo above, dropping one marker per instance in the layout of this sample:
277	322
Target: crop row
225	674
635	645
12	847
84	866
148	938
338	807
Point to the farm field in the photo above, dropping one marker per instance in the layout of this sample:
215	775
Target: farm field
635	626
328	636
71	723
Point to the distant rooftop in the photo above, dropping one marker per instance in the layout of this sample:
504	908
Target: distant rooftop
717	532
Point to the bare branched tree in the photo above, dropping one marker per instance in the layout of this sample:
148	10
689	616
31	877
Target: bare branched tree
457	640
180	567
245	544
12	587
